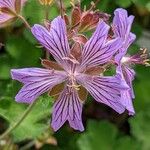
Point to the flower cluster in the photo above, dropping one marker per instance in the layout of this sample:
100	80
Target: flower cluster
80	64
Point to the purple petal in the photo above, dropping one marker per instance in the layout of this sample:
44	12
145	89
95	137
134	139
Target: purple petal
127	102
67	107
122	23
23	2
97	50
8	3
5	19
36	82
127	75
106	90
122	27
54	40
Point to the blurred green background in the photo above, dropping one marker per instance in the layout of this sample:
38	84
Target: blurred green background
105	129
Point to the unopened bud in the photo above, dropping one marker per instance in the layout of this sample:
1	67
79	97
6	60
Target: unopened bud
45	2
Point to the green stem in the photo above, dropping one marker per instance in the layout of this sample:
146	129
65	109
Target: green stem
61	8
47	17
9	130
24	21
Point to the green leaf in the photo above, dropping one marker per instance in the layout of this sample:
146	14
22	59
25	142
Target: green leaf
148	6
123	3
127	143
141	2
33	12
5	66
141	88
23	52
140	127
99	135
34	124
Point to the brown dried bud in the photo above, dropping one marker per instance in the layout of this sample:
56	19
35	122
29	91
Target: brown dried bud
76	16
86	20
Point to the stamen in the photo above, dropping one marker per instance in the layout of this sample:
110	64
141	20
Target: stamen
141	58
75	86
72	60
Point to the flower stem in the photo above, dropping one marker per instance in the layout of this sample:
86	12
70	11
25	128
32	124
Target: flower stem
47	17
61	8
9	130
24	21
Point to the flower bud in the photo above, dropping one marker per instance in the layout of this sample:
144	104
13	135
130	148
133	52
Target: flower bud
45	2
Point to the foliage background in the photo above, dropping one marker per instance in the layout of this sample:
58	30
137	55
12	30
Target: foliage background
105	130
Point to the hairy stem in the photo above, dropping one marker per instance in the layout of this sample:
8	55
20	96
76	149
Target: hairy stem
47	17
28	145
61	8
25	114
24	21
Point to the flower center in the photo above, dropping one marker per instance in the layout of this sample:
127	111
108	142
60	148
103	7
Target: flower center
72	81
142	57
125	60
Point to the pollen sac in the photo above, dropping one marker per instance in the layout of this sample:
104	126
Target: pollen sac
45	2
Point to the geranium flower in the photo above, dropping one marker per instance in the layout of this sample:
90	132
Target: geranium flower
77	70
122	28
9	9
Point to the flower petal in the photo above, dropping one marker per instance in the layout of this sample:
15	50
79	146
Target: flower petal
122	23
8	3
97	50
127	74
54	40
106	90
67	107
36	82
122	26
127	102
6	19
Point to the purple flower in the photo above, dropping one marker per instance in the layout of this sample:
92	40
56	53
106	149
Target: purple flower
122	26
77	73
9	10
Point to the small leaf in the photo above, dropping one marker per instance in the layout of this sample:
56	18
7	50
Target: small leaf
34	124
124	3
99	135
140	127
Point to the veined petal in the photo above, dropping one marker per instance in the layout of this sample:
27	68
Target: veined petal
130	40
67	107
36	82
6	19
7	3
126	100
122	28
23	2
122	23
127	95
54	40
11	3
106	90
129	75
97	50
